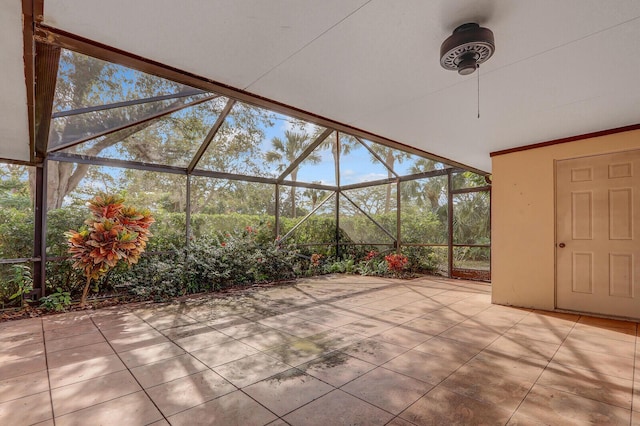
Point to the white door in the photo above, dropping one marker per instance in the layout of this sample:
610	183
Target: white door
598	234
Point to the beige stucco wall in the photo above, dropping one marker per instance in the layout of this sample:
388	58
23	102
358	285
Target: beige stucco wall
523	218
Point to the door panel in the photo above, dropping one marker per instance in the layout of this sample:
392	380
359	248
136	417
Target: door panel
597	234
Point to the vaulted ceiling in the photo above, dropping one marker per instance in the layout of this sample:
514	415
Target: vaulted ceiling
561	67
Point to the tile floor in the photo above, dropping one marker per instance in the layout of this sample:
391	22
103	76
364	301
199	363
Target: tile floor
340	350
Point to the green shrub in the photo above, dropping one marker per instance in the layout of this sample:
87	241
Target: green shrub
57	301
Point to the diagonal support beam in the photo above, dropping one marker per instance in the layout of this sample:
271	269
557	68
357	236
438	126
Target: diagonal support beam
377	157
212	133
79	111
304	219
382	228
304	154
129	125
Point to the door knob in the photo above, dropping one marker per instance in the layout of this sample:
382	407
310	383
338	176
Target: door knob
561	245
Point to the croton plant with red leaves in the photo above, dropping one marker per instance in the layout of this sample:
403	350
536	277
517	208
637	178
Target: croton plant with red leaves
113	233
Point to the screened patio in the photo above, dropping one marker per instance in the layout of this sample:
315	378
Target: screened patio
205	162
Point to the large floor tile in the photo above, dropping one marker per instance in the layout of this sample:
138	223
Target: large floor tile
22	366
609	365
135	409
162	322
471	336
202	340
269	339
338	408
234	409
25	385
491	386
166	370
59	333
447	348
66	320
27	410
244	330
589	384
189	391
403	336
14	353
550	335
443	407
600	344
251	369
128	341
186	331
519	346
422	366
374	351
13	340
388	390
78	354
77	396
95	367
71	342
560	408
368	327
149	354
336	368
216	355
429	325
287	391
300	351
505	364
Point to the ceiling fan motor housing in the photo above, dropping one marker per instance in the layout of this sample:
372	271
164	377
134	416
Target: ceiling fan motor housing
468	47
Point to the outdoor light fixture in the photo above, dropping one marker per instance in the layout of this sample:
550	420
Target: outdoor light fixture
468	47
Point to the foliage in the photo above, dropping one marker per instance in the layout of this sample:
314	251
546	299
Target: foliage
240	257
114	233
396	262
154	277
57	301
23	280
284	152
344	266
430	260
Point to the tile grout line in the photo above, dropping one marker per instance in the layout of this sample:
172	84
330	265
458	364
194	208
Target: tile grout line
46	363
237	388
544	369
129	370
437	335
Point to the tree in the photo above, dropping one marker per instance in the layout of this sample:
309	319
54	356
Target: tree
390	156
113	234
429	190
84	81
339	144
314	195
284	152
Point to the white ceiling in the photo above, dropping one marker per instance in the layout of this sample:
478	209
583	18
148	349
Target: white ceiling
14	122
561	68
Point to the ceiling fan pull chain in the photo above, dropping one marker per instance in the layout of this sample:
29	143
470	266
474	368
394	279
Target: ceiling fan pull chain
478	91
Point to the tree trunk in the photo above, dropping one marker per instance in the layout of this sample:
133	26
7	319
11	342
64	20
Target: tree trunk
64	178
387	202
83	299
294	177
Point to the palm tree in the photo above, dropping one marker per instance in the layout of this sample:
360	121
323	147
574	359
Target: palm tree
314	195
347	143
432	189
390	156
287	150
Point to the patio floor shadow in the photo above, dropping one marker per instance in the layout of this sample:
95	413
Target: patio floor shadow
334	350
